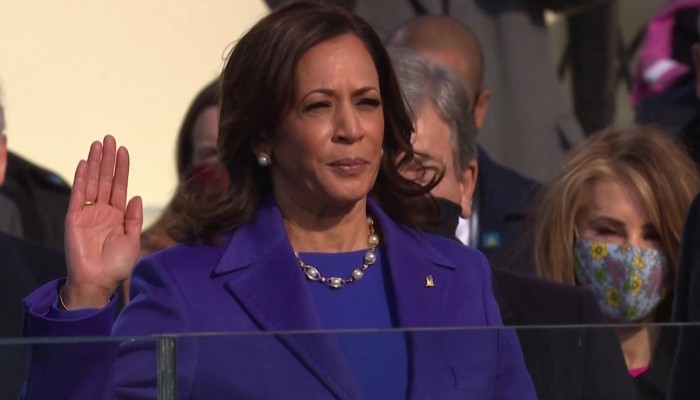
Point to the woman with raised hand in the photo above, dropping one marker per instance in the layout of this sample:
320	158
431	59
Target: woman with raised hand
318	229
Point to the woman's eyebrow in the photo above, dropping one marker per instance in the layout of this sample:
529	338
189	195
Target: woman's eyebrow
608	220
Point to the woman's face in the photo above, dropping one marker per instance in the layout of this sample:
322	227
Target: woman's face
204	136
616	214
327	149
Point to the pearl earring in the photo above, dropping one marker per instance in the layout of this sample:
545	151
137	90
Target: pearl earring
264	159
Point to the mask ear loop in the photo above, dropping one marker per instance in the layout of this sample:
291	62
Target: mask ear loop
576	235
576	263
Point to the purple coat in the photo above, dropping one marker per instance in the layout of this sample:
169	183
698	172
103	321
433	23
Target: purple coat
251	284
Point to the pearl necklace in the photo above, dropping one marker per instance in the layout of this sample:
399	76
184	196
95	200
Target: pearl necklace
336	282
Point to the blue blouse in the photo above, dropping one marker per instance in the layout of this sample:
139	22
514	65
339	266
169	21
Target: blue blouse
378	359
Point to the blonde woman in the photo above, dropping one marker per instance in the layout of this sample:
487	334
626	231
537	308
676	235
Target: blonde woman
611	220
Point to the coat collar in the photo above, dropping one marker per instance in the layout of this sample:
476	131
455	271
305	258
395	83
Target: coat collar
412	261
265	234
266	279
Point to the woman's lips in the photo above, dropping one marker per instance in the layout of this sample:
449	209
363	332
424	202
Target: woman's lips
349	165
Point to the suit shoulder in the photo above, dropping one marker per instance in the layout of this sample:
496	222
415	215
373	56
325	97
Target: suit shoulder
188	257
449	244
20	169
40	259
455	251
547	302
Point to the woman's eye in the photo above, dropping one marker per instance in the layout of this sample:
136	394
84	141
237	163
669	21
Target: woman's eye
605	231
370	102
206	153
317	106
652	237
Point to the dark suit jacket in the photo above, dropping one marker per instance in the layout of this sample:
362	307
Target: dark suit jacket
571	362
24	266
252	283
42	198
690	135
504	200
10	221
654	383
670	111
684	382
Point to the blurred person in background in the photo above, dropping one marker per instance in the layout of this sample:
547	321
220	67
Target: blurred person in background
24	266
499	222
664	86
611	221
33	200
686	309
568	363
10	221
196	158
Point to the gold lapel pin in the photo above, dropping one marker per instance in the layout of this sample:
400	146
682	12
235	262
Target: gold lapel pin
429	283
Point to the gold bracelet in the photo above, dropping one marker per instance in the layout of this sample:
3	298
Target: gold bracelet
60	299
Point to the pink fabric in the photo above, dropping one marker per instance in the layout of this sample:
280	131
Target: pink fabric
635	372
656	46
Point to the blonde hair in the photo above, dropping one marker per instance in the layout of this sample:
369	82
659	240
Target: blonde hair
661	171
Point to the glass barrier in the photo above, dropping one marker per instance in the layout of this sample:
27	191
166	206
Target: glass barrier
563	362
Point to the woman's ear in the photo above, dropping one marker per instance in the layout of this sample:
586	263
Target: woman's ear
261	144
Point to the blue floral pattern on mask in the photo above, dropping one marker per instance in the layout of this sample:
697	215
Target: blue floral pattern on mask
628	282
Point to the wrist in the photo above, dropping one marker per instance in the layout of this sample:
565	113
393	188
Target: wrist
73	298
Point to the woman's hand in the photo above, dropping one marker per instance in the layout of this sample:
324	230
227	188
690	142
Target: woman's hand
102	230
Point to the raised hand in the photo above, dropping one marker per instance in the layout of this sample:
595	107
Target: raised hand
102	230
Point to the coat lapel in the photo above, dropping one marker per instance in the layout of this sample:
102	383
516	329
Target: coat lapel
411	259
267	281
412	263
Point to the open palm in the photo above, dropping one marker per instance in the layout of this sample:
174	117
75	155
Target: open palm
102	230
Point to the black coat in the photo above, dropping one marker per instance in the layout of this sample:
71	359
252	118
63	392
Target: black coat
504	200
654	383
571	362
10	221
24	266
567	362
670	110
686	370
41	197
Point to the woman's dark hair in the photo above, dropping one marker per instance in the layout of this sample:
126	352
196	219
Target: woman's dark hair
184	151
257	88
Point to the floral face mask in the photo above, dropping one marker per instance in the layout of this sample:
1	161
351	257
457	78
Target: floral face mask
628	282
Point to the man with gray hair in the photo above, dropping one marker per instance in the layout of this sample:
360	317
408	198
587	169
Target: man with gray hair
446	133
559	365
499	225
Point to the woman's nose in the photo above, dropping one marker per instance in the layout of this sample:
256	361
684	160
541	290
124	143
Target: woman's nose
347	123
638	240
